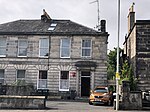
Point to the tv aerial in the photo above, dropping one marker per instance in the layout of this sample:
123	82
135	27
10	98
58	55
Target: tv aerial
98	14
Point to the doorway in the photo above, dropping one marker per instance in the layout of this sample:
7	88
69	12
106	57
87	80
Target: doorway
85	83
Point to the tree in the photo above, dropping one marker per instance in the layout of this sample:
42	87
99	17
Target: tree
125	70
111	63
127	74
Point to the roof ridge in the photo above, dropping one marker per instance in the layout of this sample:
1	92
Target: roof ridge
85	26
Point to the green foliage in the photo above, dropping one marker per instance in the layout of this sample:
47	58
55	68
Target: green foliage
111	64
125	70
127	74
132	80
111	72
19	83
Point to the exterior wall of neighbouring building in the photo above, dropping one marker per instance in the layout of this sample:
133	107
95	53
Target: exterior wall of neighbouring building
33	64
137	49
143	54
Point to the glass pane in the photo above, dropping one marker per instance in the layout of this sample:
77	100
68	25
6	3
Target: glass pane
23	43
53	24
42	74
86	52
86	43
64	84
2	81
2	42
44	52
44	43
2	51
65	42
64	74
64	80
2	46
21	74
65	48
42	83
23	52
1	73
65	52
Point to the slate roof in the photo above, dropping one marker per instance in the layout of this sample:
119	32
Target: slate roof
142	22
39	27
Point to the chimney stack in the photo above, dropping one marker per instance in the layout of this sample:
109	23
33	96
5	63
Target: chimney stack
45	17
131	18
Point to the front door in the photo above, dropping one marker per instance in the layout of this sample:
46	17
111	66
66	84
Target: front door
85	83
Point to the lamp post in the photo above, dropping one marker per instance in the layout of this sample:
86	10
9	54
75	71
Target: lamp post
117	71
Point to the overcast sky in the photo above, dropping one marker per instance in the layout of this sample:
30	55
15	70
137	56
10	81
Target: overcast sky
80	11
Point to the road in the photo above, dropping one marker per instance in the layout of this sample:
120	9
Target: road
71	106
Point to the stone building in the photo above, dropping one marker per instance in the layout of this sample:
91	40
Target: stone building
59	55
137	49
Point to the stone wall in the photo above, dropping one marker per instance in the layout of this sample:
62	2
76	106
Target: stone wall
130	100
21	96
143	56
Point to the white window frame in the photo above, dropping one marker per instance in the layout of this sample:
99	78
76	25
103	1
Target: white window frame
40	47
3	47
3	78
86	48
61	89
65	47
20	78
22	47
38	79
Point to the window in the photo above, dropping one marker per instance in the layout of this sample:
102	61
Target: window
65	48
22	47
42	80
2	76
86	48
44	47
64	81
52	26
20	75
2	47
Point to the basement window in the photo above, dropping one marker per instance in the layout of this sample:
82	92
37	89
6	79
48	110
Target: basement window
52	26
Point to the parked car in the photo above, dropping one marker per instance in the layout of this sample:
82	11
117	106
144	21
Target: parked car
101	95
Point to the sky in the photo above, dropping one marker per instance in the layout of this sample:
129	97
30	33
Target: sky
80	11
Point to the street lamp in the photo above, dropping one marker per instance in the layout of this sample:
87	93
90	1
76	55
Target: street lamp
117	71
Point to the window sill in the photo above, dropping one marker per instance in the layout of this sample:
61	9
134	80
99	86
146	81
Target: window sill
63	89
2	56
43	56
22	56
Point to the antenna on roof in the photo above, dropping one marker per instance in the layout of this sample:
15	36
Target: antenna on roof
98	14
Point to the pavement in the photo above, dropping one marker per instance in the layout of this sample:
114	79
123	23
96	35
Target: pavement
72	106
